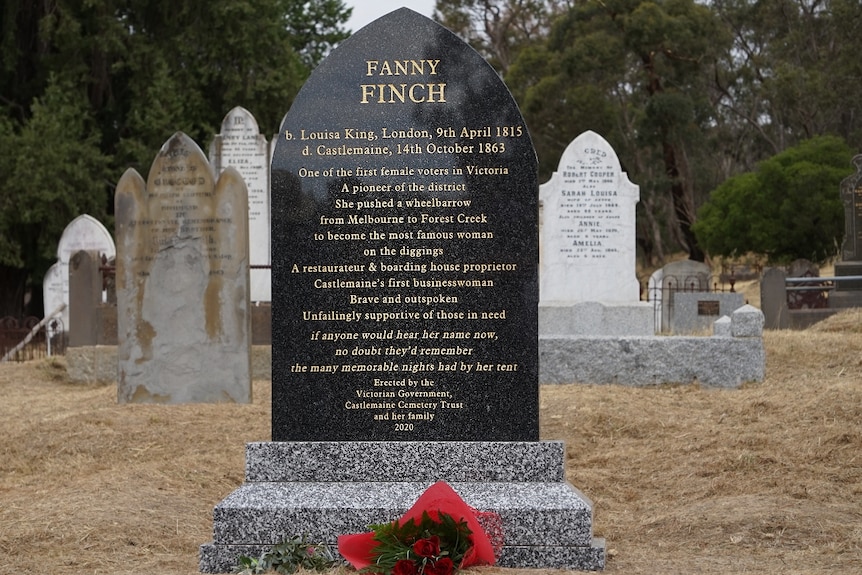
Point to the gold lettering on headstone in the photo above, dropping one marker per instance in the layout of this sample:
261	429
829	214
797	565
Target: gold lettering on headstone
398	93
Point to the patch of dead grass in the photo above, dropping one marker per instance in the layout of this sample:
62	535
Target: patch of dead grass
685	479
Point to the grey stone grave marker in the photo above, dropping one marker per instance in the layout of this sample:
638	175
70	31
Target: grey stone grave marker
405	345
241	145
773	299
85	291
182	281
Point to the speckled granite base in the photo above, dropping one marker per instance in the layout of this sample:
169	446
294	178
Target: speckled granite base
325	489
417	461
576	558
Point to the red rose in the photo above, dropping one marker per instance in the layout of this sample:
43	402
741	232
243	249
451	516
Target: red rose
442	566
427	547
404	567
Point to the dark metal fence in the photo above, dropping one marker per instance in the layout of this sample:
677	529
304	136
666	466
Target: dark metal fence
50	339
808	292
661	295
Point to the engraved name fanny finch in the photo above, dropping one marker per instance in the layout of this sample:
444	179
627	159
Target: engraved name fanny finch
392	93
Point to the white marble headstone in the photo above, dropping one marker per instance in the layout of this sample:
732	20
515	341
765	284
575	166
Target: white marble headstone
588	234
241	145
83	233
52	294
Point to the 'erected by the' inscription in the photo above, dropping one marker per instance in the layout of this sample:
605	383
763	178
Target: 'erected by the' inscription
405	247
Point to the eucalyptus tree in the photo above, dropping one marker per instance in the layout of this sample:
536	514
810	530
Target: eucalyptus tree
500	29
639	73
792	74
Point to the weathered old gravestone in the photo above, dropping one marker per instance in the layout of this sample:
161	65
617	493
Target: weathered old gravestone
588	246
241	145
182	281
405	308
83	233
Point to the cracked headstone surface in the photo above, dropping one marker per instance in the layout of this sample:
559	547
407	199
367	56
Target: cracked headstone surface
182	281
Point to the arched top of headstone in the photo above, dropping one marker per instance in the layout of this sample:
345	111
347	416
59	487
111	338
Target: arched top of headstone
800	268
693	275
239	120
85	233
591	149
188	162
453	83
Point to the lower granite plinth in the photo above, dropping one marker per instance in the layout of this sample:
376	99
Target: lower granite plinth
223	558
546	522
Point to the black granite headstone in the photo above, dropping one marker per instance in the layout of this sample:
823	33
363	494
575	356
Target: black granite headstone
405	247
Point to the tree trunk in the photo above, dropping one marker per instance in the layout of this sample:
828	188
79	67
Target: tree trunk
683	206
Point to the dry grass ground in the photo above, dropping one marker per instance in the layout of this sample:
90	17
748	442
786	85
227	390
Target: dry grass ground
763	479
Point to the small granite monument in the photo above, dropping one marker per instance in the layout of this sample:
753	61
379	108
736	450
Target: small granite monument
182	281
588	247
405	344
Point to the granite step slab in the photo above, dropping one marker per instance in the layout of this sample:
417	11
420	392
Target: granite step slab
224	558
550	514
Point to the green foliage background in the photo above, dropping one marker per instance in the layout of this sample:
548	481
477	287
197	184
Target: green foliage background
90	88
688	93
700	100
788	208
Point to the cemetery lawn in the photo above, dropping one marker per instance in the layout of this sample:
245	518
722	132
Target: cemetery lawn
762	479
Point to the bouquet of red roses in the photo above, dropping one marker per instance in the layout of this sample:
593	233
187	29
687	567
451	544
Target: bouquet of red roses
437	536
